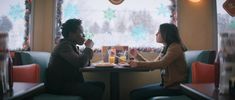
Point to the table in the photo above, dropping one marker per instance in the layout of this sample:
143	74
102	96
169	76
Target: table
22	90
204	91
114	76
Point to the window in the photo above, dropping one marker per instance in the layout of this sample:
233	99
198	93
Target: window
225	22
133	23
14	19
226	35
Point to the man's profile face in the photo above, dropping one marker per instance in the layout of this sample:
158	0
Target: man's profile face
78	36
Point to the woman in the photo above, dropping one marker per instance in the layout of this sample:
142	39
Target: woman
171	62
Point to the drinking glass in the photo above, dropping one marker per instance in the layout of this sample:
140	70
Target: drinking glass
112	59
122	59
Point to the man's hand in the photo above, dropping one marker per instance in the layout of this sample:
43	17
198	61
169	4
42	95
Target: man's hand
89	43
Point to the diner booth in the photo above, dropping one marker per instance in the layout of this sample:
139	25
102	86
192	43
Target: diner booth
206	27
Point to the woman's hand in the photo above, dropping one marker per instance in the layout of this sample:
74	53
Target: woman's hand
133	63
133	53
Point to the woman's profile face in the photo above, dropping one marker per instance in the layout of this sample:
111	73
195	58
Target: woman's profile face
159	38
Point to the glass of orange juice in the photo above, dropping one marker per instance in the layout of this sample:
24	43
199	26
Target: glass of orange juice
122	59
112	59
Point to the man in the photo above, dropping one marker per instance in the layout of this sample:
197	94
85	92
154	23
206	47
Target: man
63	75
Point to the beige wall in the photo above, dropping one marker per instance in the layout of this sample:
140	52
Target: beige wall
195	21
43	15
196	24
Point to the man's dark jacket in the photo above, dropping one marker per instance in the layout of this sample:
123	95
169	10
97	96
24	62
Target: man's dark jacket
64	64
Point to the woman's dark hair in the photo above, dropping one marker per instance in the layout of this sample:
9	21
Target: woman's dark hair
71	25
170	34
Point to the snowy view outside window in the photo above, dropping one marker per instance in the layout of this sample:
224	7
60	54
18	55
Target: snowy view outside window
133	23
226	23
13	11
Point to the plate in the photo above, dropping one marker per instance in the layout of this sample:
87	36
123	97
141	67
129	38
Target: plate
124	64
104	65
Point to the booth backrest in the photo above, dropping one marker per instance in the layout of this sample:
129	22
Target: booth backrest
42	59
205	56
37	57
203	73
26	73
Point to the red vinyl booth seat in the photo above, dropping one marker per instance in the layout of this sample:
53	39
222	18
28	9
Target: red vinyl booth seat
203	73
26	73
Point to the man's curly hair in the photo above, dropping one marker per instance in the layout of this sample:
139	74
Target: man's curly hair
71	25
